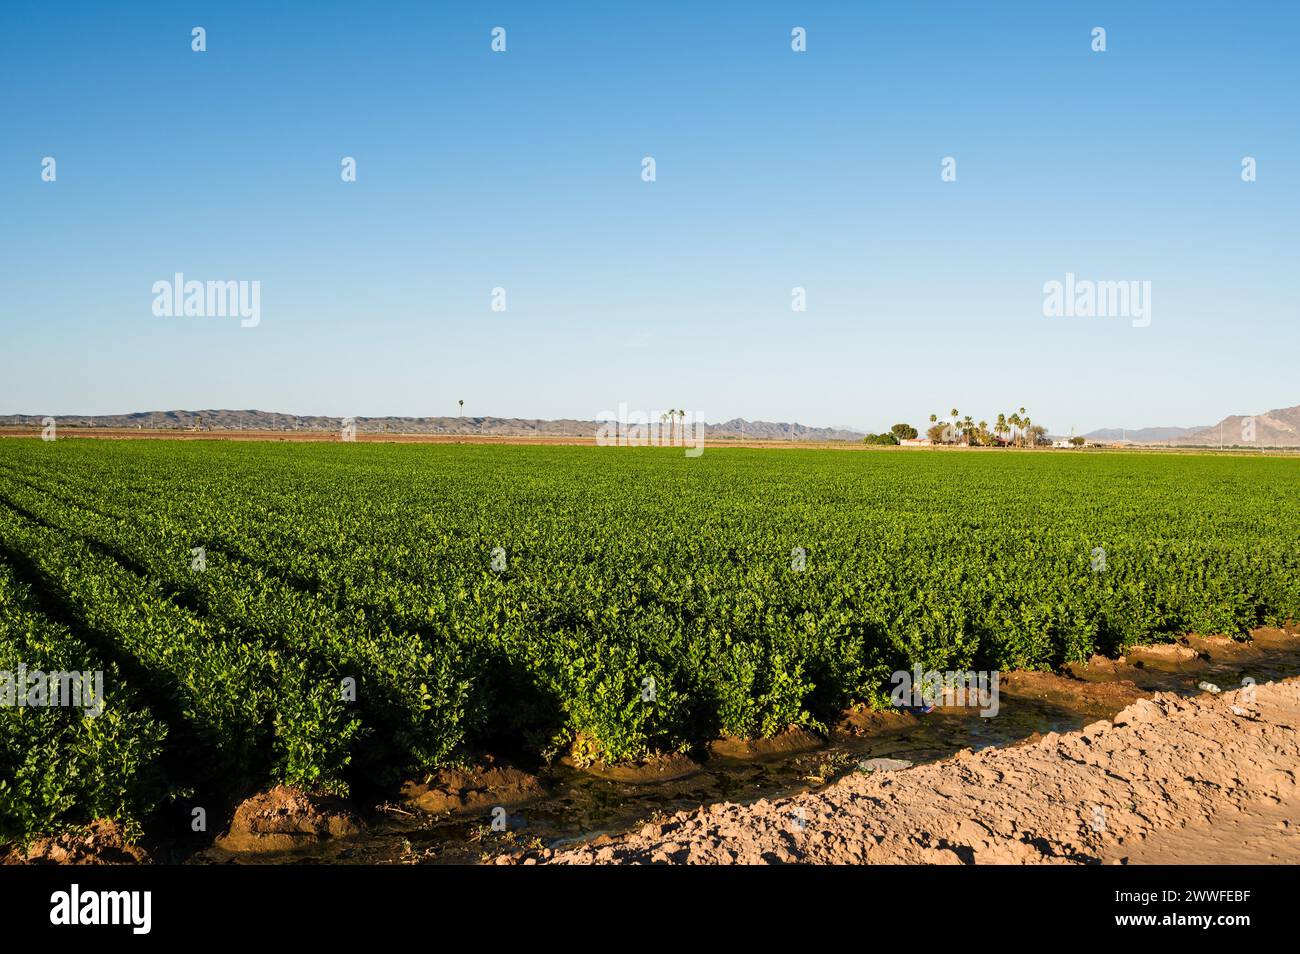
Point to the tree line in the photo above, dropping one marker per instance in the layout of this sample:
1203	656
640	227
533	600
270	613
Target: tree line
1015	429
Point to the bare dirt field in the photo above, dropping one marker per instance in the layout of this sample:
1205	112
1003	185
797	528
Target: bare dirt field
1210	779
127	433
580	440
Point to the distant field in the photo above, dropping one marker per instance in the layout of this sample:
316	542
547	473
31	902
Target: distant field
540	599
580	440
328	436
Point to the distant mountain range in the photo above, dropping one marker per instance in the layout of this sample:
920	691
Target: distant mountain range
1279	427
252	420
1142	435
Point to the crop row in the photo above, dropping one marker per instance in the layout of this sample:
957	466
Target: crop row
94	755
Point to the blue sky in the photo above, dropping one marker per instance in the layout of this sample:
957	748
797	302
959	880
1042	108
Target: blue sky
775	169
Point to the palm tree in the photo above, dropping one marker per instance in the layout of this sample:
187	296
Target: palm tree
1014	421
1000	427
984	432
461	402
1026	423
663	419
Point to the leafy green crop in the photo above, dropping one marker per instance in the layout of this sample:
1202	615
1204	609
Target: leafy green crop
62	765
620	601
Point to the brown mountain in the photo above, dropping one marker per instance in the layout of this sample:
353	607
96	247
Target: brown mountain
1277	428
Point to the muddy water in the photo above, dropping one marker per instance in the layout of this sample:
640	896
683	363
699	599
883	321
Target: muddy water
579	806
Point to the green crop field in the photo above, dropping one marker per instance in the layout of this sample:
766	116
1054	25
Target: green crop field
322	614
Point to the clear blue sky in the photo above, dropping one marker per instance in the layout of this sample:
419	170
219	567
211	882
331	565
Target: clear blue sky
775	170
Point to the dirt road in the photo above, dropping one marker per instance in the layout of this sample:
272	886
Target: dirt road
1171	779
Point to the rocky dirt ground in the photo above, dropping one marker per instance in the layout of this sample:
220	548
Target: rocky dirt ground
1171	779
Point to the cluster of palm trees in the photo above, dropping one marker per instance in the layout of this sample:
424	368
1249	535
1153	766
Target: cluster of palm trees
1016	428
671	417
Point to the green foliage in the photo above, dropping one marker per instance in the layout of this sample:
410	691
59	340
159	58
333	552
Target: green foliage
63	766
647	601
